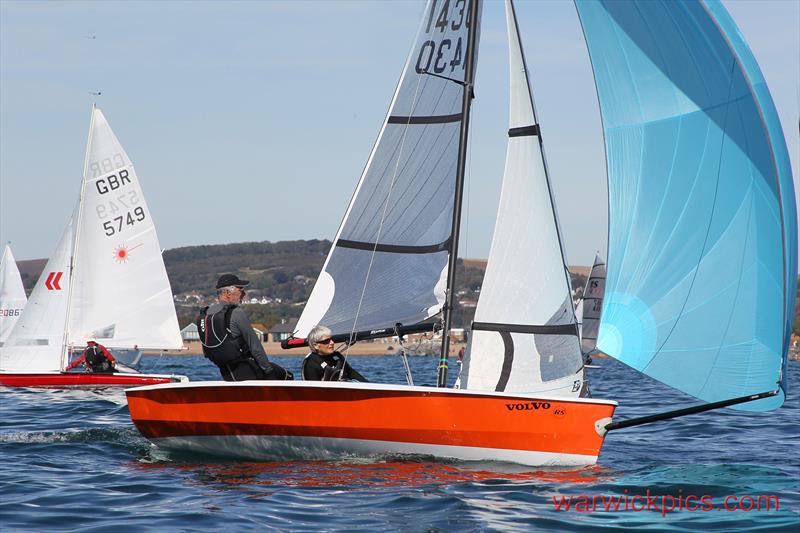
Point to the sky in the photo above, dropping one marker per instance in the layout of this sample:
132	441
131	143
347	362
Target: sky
252	120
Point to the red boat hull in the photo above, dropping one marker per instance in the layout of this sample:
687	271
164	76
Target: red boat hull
274	420
85	380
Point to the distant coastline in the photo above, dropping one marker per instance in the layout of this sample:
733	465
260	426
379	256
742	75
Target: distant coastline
282	275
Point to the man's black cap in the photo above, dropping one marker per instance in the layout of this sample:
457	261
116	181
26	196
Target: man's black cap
229	280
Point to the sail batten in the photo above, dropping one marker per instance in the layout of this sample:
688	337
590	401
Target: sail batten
557	329
524	131
702	221
430	119
394	248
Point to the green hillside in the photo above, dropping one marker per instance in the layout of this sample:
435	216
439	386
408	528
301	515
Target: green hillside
271	267
281	273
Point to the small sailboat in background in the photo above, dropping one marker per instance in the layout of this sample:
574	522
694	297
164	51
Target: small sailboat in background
12	294
106	282
701	263
589	309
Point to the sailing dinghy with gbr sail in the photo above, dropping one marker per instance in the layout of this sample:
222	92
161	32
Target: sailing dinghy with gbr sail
106	282
391	264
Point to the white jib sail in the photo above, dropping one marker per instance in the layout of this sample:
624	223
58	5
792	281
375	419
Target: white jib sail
36	344
591	304
121	296
524	337
12	294
388	262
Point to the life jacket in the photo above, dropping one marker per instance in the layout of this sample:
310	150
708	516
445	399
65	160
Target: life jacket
330	372
96	360
232	355
215	335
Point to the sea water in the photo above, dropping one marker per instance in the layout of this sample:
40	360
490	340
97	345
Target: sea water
72	460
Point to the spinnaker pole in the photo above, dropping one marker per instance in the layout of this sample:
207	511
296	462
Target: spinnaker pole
632	422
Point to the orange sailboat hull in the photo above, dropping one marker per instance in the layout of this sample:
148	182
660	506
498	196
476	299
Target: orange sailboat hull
271	420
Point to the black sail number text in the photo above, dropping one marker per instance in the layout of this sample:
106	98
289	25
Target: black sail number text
441	13
128	218
438	55
446	55
118	206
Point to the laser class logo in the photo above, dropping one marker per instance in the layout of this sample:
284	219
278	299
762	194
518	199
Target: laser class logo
121	254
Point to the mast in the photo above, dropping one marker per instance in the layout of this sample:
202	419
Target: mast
462	158
76	235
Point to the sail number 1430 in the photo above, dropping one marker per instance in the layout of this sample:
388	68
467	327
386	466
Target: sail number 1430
437	56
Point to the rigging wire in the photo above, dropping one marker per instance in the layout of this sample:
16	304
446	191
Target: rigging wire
415	101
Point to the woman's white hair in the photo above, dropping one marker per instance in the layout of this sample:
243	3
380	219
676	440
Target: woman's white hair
318	333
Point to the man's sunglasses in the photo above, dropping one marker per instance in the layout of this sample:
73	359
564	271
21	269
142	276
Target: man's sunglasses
329	340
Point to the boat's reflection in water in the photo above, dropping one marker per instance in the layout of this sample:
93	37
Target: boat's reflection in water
364	473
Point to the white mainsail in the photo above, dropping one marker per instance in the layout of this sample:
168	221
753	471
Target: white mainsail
388	262
12	294
524	338
36	343
590	307
121	296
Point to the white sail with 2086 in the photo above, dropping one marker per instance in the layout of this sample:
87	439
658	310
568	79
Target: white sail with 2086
12	294
36	344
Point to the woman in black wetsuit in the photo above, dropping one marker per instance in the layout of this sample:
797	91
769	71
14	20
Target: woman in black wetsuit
324	363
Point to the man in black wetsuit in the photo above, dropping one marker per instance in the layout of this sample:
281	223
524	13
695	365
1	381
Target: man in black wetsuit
324	363
228	338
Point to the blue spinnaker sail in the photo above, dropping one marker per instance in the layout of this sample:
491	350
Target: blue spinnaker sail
702	247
